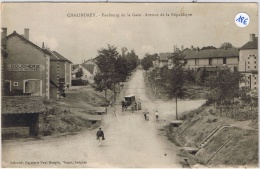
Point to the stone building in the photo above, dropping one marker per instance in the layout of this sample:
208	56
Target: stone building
248	63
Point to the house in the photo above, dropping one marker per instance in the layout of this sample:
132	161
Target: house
89	72
163	59
60	73
92	66
227	57
248	63
32	70
22	116
27	67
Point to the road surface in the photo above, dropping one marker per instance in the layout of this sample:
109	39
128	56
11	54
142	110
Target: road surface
130	140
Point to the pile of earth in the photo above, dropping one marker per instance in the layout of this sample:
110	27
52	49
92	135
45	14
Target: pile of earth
233	146
58	121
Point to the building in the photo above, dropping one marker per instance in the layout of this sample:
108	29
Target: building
92	67
60	73
27	67
227	57
32	70
248	63
22	116
89	72
163	59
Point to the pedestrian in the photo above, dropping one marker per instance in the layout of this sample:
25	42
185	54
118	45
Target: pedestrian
186	164
147	116
68	85
144	116
123	105
157	116
100	137
133	108
139	106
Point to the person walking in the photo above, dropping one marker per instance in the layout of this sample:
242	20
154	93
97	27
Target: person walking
144	116
147	116
123	105
100	136
157	116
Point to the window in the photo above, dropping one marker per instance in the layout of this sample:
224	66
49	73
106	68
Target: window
15	83
196	62
255	62
248	67
248	62
210	61
224	60
255	67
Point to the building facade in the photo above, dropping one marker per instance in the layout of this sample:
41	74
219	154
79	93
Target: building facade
227	57
27	67
248	63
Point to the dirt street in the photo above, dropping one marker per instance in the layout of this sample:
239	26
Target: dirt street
130	140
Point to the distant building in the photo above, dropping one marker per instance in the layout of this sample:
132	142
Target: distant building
163	59
89	71
227	57
248	63
92	67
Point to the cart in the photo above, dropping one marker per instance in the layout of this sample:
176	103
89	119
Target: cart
129	100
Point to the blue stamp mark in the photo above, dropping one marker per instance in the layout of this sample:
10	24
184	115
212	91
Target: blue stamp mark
242	19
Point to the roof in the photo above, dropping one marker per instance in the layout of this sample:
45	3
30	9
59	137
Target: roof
61	57
56	56
164	56
26	40
251	44
22	104
89	67
211	53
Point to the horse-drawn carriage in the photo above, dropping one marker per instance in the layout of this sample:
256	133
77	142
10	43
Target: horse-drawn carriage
129	101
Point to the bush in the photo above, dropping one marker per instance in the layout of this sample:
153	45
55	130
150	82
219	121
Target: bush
79	82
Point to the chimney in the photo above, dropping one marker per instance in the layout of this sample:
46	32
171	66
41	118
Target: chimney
26	33
43	45
182	47
252	37
192	47
4	33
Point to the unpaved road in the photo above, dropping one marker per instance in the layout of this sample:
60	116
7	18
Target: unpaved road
130	140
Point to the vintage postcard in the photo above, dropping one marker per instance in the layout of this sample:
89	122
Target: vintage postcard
145	85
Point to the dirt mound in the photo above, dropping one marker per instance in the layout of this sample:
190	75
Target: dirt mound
59	121
229	145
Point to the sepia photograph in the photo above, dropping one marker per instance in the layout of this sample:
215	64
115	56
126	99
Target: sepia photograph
129	85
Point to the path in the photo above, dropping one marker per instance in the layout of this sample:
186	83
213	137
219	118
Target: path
130	141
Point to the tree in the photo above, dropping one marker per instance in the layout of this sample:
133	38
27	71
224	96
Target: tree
146	63
226	44
208	47
177	79
79	73
109	76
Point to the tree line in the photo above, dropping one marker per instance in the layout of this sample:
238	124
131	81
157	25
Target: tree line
114	67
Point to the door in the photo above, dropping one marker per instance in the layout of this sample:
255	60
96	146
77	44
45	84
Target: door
33	87
7	87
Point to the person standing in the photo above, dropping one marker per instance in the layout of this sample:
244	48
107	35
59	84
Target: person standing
186	164
100	136
144	116
157	116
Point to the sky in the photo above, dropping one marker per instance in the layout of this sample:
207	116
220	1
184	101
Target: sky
127	25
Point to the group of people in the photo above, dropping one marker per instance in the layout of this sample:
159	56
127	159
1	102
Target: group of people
146	116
